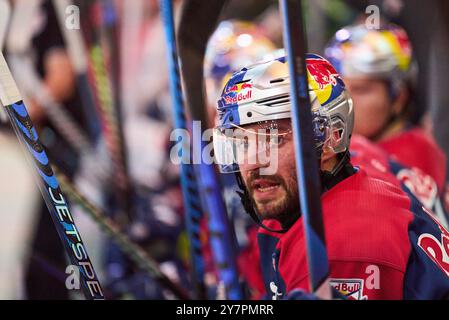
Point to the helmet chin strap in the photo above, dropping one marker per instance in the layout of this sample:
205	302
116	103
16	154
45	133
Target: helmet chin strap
342	170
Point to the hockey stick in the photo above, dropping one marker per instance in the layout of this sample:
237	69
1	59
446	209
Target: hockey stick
132	250
198	21
77	53
19	40
30	83
20	61
306	159
100	80
110	26
191	198
78	56
65	226
110	29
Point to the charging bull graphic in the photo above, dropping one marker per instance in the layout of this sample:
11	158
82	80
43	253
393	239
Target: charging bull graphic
323	79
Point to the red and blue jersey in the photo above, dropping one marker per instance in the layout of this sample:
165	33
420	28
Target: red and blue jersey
381	242
412	180
425	155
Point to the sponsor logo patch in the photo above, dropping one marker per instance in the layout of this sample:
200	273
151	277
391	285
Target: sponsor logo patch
352	289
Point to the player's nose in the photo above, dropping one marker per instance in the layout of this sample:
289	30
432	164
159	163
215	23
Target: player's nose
254	165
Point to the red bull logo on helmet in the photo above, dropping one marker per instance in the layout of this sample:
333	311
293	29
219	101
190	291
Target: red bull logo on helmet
323	79
239	87
238	93
322	73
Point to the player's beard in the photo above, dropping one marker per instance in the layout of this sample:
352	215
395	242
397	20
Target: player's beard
285	209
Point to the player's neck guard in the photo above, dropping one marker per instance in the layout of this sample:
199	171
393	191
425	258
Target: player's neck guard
342	170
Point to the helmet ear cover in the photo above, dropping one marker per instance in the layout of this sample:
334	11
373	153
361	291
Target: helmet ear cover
335	134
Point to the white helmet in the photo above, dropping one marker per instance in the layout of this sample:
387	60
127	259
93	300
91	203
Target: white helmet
261	94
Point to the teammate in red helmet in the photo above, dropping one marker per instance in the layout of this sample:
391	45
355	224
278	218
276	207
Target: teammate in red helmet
378	70
376	65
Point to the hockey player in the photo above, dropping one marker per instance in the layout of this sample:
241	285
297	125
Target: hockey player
381	243
376	65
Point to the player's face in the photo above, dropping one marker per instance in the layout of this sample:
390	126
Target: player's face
276	195
372	105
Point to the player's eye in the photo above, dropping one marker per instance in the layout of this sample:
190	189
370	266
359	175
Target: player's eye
277	139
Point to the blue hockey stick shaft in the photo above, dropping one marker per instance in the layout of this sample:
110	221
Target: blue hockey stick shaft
62	218
191	197
198	21
306	158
